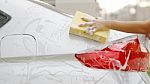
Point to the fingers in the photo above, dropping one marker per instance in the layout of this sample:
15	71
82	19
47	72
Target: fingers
90	24
86	19
90	30
87	24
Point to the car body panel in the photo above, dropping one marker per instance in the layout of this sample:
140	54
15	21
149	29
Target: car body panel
49	28
39	30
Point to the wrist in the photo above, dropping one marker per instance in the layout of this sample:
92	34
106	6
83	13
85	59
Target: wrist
107	24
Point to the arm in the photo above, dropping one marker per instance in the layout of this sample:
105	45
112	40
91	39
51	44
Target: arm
142	27
139	27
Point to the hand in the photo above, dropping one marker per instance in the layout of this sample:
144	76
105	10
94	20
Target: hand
92	25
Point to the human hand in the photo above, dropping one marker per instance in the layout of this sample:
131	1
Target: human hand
92	25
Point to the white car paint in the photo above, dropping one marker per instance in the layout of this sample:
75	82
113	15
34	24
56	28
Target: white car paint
49	28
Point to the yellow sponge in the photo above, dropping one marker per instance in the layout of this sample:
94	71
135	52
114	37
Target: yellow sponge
100	36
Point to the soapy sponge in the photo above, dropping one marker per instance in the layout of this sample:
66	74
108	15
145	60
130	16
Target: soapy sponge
100	36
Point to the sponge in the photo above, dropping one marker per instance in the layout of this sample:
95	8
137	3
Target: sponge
100	36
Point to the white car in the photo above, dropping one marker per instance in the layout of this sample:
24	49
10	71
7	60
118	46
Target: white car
39	33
